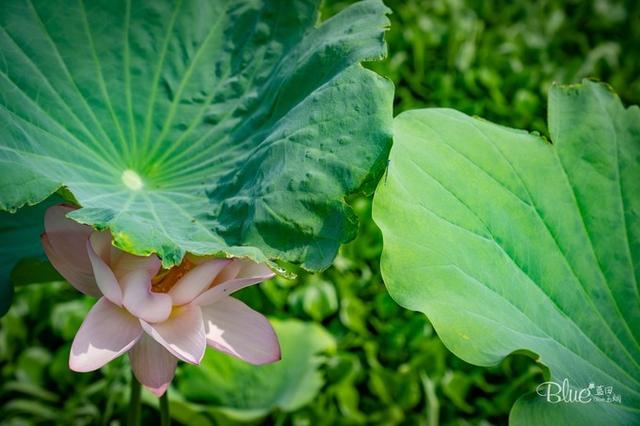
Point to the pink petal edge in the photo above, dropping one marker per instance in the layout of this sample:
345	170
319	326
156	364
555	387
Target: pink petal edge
123	263
196	281
234	328
141	301
107	332
182	334
217	293
249	273
64	241
105	277
153	365
67	236
81	279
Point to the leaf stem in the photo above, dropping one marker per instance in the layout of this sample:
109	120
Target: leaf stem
165	419
134	402
433	406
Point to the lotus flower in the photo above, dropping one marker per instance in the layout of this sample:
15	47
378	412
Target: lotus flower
157	316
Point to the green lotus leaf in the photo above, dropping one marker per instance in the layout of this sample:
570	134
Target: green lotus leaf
243	392
23	259
230	127
510	243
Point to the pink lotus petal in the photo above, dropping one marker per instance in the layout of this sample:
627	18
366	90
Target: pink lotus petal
141	301
229	272
101	243
122	263
182	334
234	328
152	365
107	332
252	270
250	273
196	281
66	248
67	236
80	278
105	278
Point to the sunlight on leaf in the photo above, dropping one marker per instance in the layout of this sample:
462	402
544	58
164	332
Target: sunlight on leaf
214	127
507	242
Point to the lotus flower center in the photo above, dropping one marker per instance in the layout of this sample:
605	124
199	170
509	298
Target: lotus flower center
167	278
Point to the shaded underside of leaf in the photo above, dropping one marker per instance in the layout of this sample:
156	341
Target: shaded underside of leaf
21	251
214	127
508	242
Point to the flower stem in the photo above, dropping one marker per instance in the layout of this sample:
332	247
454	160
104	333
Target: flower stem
134	403
165	419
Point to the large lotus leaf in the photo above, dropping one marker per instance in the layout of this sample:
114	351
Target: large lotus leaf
510	243
20	245
210	126
241	391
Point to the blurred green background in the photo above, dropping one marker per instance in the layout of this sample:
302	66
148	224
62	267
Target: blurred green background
350	354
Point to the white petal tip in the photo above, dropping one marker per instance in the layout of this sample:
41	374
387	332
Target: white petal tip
80	367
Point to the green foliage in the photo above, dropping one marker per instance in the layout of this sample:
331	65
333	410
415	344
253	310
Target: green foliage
242	392
509	243
385	360
36	384
390	367
20	248
388	357
214	127
498	59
